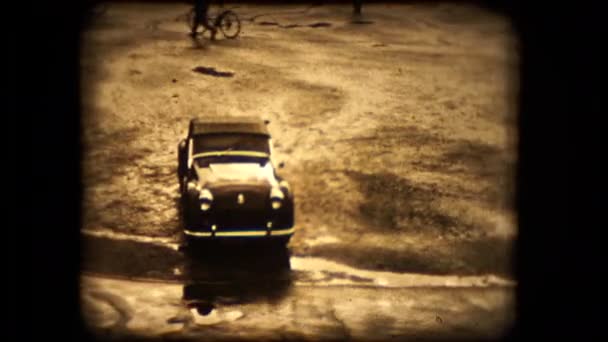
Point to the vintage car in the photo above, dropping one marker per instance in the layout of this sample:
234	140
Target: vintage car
228	182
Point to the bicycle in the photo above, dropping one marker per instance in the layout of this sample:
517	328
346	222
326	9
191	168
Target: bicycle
227	22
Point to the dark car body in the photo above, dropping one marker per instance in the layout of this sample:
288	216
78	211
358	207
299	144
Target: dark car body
228	183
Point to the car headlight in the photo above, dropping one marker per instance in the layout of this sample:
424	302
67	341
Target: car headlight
193	186
276	204
276	198
205	197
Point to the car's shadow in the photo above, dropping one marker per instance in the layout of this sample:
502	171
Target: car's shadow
220	274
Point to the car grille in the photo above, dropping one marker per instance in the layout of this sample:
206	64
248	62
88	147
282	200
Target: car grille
253	199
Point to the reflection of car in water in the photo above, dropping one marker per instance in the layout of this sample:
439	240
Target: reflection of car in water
219	276
229	185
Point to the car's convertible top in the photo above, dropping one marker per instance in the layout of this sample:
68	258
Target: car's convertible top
228	124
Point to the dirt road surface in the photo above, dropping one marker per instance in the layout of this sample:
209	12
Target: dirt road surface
397	132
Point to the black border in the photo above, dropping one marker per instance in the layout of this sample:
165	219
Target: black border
45	67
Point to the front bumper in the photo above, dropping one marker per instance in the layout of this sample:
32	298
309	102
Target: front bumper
242	222
253	233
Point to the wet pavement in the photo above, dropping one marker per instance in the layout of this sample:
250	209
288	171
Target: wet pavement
397	137
257	292
126	308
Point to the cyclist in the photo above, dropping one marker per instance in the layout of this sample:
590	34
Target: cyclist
201	7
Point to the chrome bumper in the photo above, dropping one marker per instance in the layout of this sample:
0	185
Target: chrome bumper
241	233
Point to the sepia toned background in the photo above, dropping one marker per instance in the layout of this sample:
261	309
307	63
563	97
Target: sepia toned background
397	129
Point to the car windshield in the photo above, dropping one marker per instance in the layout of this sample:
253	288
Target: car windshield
230	159
231	142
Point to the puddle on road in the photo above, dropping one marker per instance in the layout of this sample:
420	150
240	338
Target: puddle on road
322	272
196	296
212	72
160	309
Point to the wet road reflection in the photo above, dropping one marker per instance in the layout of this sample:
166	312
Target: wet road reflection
132	287
221	274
